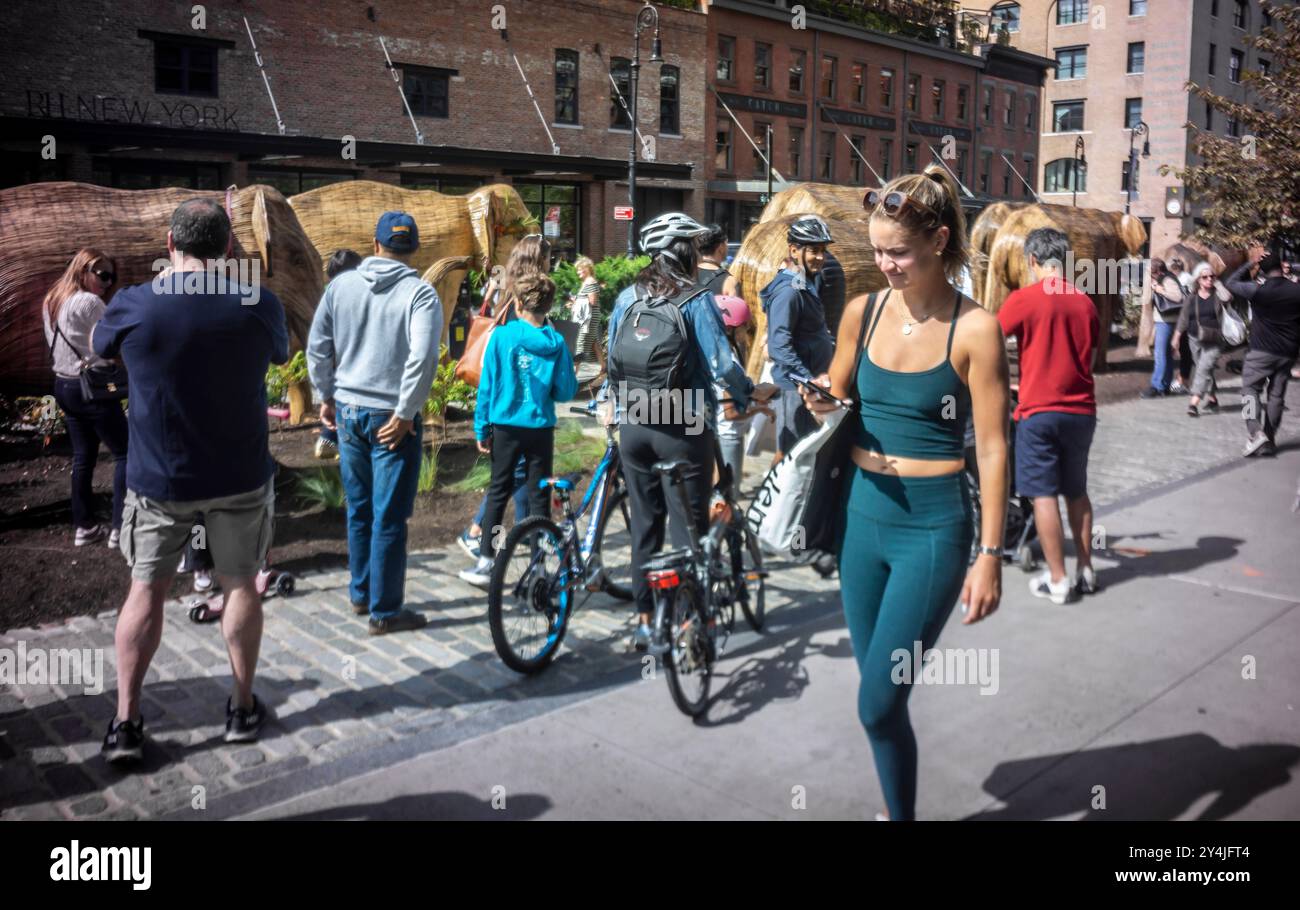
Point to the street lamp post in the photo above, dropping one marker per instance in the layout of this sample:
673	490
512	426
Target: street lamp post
768	145
1140	129
646	17
1080	164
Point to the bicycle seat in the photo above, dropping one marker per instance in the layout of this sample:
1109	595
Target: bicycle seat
672	468
566	482
671	560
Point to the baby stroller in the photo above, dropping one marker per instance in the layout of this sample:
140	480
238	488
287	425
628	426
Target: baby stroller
208	607
1020	530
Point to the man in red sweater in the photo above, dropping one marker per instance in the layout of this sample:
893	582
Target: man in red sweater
1057	329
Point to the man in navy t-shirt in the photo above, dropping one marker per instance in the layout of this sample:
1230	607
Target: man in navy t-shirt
196	345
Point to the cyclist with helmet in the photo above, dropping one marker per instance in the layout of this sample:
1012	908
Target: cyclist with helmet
798	340
650	435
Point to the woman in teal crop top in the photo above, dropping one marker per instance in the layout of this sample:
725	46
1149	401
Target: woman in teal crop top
919	359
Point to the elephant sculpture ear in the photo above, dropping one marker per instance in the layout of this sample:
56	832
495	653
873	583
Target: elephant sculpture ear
262	230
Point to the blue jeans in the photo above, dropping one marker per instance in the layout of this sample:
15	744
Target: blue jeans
380	485
1163	372
520	495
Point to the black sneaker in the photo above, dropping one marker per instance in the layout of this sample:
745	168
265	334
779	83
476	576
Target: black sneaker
124	741
402	621
825	564
360	609
243	724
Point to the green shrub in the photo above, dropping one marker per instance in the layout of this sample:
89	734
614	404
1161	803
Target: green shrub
280	377
574	449
445	389
323	488
478	478
428	471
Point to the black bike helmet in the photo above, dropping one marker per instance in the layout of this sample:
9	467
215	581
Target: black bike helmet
807	230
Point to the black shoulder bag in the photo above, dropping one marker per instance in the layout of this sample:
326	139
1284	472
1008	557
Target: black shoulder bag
825	509
101	383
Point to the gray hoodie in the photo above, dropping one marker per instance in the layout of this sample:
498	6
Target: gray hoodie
374	339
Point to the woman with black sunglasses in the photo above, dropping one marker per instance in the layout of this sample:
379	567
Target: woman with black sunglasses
70	310
918	358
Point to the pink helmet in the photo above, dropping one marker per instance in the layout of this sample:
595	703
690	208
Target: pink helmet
735	312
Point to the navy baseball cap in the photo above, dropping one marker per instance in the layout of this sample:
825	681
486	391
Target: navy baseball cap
397	231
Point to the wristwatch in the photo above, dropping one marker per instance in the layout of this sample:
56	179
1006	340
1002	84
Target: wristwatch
992	551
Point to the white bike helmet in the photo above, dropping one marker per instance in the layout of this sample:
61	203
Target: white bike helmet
663	230
809	229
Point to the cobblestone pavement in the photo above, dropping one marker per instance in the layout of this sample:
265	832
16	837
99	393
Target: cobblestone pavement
345	702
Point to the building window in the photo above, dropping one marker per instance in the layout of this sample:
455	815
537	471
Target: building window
447	184
936	98
1031	112
1062	176
427	89
556	204
987	111
828	156
566	86
1067	117
797	60
829	65
183	67
859	83
1125	176
1006	178
961	164
796	151
886	158
1071	63
858	142
1132	112
760	148
726	68
1137	7
1137	57
1009	111
1234	67
762	65
669	100
886	89
1214	7
722	145
962	98
1263	67
909	157
1213	56
619	117
1071	12
1005	14
914	94
1027	188
1234	127
1209	118
1239	13
986	165
291	181
142	174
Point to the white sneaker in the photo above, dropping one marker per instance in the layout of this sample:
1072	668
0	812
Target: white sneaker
1041	585
1254	444
480	576
89	535
202	580
1086	581
114	538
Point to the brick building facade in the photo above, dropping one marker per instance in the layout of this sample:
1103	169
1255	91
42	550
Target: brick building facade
133	94
835	93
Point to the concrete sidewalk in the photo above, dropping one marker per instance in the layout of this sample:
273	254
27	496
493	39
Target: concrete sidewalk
1138	690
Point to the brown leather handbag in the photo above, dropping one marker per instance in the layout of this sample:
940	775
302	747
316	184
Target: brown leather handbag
470	366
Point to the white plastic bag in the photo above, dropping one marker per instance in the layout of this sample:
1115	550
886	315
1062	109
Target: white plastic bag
776	513
1232	327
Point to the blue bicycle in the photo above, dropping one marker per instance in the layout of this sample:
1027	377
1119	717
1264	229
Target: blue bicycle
543	565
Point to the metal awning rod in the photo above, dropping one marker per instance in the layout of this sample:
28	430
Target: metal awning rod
1028	186
555	148
750	139
279	123
623	104
392	70
879	180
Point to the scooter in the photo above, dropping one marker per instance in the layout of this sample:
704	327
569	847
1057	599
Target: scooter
269	582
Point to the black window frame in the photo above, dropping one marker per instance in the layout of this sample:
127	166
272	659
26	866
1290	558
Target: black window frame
730	60
1078	63
1069	177
1236	64
1133	7
1212	62
759	135
724	125
670	108
1012	22
766	81
963	102
1131	121
798	69
1031	112
420	106
858	76
1240	14
1078	12
562	105
186	48
913	97
1128	70
1082	118
621	69
938	88
795	140
834	87
857	171
826	161
886	156
888	75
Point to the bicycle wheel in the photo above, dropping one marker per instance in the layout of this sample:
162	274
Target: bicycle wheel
613	538
689	658
527	616
750	579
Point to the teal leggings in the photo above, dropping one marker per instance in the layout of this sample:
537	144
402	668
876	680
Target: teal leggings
904	546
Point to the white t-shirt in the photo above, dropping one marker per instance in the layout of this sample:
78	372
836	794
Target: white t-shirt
77	318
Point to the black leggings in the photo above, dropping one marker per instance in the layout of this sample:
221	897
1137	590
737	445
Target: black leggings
536	445
651	501
89	422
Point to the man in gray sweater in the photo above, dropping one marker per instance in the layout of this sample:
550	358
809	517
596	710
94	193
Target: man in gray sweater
371	355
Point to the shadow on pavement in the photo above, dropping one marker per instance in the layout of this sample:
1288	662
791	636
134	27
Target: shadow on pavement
1156	780
1139	562
758	682
440	806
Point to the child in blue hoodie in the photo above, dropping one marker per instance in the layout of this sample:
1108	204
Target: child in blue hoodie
527	367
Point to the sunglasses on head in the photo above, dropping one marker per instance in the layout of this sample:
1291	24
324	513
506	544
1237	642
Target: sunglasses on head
895	202
105	275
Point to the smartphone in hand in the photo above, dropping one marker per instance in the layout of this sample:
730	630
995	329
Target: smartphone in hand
823	394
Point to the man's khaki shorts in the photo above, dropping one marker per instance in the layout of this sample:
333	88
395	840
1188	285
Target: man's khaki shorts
236	531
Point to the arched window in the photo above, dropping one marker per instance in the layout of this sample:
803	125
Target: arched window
1064	176
1007	14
